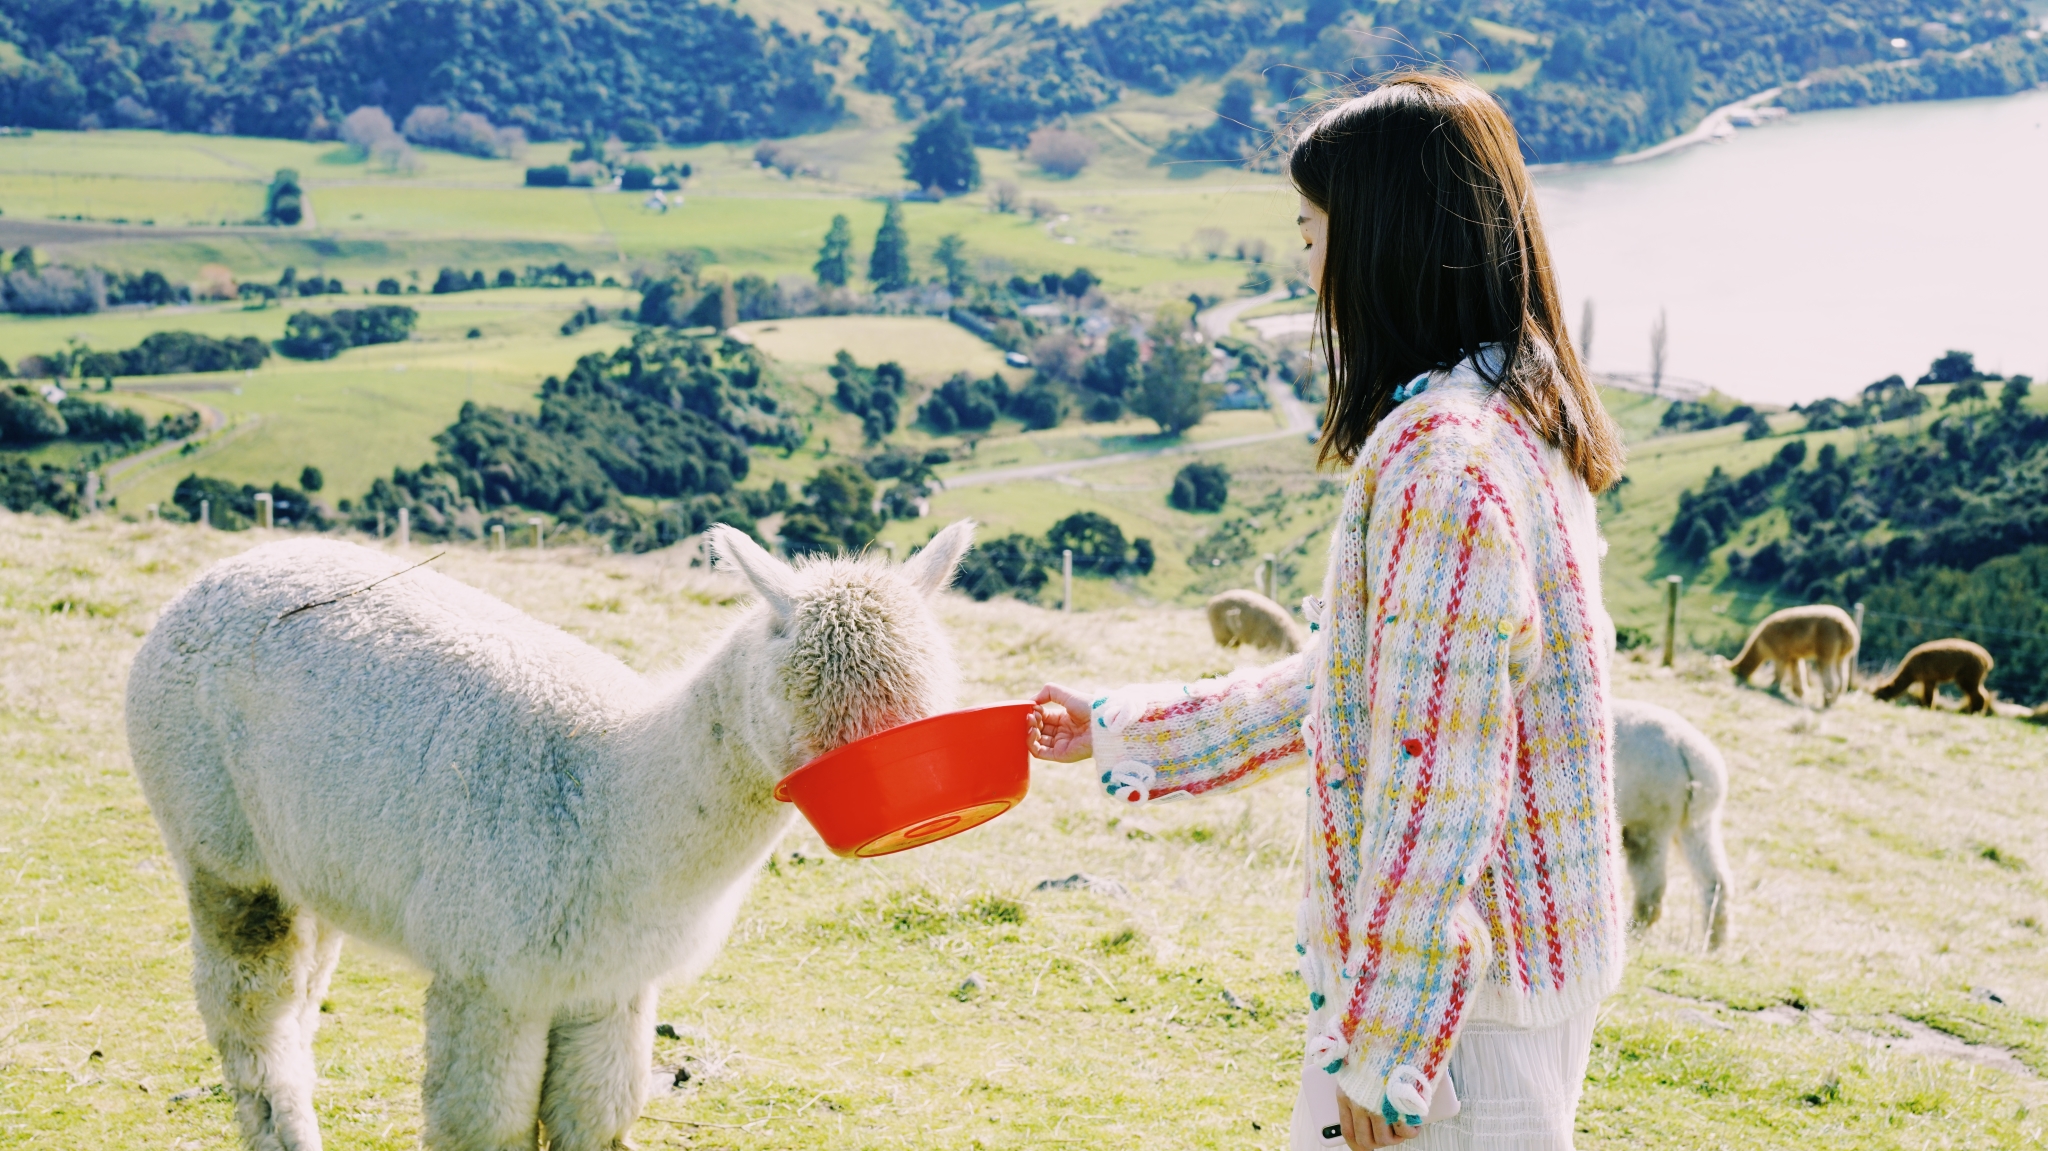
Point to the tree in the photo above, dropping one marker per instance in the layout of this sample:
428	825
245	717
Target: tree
1171	392
839	517
1115	371
1200	488
1059	151
1096	540
881	62
2013	394
952	256
835	255
889	265
941	155
281	204
1758	428
311	479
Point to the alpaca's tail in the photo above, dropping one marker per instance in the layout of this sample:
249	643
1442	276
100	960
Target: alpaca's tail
1750	657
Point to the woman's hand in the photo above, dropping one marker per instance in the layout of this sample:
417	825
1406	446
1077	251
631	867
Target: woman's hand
1365	1129
1059	728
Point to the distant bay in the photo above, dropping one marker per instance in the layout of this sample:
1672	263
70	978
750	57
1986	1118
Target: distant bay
1814	255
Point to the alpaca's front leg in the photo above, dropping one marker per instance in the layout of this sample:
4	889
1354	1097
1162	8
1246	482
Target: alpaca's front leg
598	1065
485	1058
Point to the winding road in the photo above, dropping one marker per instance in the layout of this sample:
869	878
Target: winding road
1212	322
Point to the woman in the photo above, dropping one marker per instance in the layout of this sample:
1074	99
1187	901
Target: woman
1461	918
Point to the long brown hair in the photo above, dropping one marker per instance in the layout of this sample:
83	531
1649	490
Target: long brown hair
1434	252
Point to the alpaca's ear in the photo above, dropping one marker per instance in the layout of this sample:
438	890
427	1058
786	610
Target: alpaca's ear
930	570
775	580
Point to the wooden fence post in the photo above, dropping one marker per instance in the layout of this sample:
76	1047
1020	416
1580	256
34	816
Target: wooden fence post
497	537
539	539
1067	579
1670	616
405	527
266	510
206	513
1858	658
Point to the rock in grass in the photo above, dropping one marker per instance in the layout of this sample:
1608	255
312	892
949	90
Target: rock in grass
970	987
1081	881
665	1030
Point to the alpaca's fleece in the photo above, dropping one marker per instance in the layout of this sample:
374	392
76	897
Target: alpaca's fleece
1669	783
1788	639
1940	661
1246	617
334	743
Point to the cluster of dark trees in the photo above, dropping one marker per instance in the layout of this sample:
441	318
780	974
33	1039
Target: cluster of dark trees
965	404
1946	523
874	394
1693	416
39	487
232	507
681	71
325	335
666	417
29	286
28	419
173	353
1020	565
1887	399
1200	487
1612	77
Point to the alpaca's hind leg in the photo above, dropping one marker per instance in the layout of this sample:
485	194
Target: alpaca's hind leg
599	1057
1700	839
1972	684
253	959
1645	847
1830	681
485	1057
1928	688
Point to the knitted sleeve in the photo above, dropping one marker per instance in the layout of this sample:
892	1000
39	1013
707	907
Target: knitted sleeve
1167	740
1418	729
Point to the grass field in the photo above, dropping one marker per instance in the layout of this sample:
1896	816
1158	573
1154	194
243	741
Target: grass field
1886	879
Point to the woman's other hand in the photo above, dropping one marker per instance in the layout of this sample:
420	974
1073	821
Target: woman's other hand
1364	1129
1059	728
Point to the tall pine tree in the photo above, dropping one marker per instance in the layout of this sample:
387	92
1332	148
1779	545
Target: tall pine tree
941	155
835	257
889	267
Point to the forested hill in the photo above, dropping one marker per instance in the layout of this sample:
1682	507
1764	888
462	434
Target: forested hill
1583	78
1937	522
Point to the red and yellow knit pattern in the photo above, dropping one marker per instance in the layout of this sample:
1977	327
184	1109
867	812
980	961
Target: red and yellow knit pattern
1464	848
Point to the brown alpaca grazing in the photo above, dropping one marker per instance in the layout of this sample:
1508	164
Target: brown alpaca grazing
1940	661
1247	617
1821	633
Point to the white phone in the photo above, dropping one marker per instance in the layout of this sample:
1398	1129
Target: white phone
1317	1127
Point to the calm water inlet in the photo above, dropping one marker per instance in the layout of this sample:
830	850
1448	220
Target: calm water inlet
1820	253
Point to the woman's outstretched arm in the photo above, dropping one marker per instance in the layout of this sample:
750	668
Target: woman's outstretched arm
1161	740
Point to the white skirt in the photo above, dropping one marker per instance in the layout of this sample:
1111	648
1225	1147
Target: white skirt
1518	1089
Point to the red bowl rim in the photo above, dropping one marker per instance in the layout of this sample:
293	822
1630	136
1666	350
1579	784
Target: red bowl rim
824	761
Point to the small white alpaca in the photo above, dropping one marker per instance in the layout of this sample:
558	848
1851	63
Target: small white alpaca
331	747
1669	782
1246	617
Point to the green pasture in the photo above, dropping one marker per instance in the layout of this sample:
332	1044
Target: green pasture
1134	224
1883	858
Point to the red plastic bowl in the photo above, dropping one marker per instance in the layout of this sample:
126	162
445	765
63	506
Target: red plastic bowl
916	784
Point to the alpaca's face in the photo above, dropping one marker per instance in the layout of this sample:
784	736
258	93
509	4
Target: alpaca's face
862	652
854	642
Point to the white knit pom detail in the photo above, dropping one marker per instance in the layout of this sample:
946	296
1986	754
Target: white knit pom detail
1407	1094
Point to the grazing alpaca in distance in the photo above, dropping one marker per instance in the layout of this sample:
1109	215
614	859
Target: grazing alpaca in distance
334	744
1246	617
1670	782
1818	632
1942	661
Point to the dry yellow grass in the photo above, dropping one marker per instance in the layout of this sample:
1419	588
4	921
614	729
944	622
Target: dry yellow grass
1886	867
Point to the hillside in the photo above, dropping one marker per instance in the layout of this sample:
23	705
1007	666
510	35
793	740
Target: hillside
1885	986
1581	80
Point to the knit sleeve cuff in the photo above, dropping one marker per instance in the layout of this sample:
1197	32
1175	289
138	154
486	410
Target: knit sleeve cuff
1112	714
1401	1096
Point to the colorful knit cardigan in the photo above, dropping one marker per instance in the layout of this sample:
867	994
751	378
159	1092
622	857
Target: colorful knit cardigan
1453	707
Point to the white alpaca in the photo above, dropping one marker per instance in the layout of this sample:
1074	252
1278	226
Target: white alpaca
1669	781
1246	617
545	831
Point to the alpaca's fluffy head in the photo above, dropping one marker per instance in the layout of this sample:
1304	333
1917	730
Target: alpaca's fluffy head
856	645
